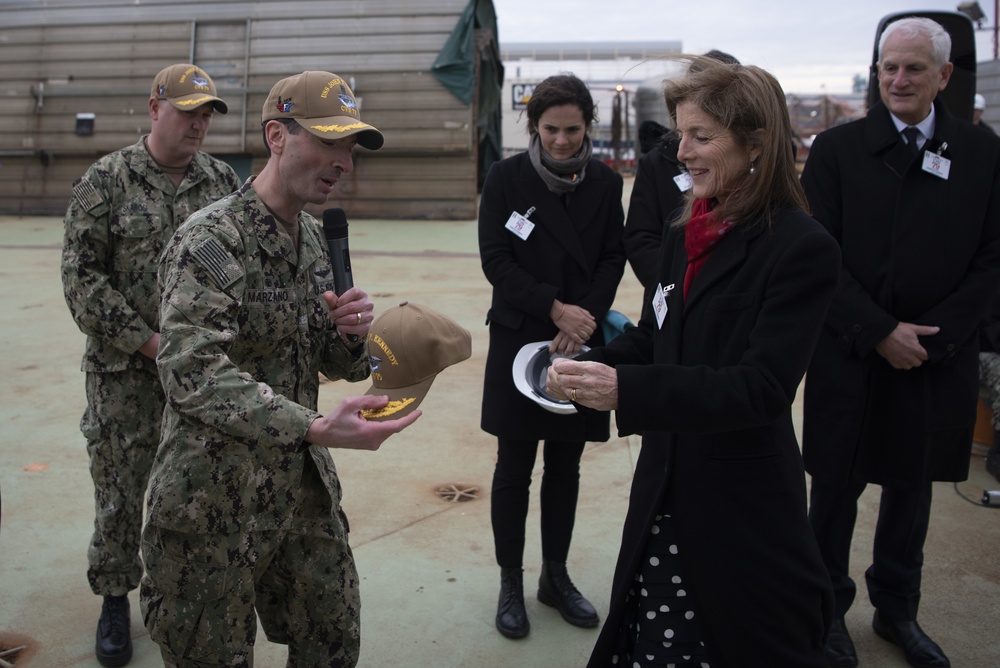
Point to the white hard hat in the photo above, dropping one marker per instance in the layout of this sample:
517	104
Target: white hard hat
979	102
531	364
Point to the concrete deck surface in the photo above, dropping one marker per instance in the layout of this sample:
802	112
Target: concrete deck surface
429	579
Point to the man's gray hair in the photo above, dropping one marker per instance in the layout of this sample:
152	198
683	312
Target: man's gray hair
913	26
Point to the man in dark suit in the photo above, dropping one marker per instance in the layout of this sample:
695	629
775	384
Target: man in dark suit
911	194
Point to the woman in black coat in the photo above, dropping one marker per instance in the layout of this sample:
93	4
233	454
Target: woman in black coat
550	239
718	565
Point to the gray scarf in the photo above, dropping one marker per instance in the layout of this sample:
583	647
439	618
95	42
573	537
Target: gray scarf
560	176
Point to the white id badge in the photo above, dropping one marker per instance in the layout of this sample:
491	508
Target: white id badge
937	165
659	306
683	181
519	225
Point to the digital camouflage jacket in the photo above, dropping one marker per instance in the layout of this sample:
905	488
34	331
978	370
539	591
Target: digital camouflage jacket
121	215
244	334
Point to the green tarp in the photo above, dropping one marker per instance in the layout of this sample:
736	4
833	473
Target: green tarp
456	67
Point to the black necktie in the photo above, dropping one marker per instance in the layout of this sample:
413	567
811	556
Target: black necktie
911	134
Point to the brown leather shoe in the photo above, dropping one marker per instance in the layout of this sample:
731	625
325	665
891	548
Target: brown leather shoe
920	651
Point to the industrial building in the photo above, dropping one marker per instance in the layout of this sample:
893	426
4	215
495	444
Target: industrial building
76	75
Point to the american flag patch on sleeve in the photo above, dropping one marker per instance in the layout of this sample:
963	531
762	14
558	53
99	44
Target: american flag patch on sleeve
86	194
217	261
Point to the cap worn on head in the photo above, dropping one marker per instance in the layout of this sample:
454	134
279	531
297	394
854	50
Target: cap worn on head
408	346
979	102
323	104
186	87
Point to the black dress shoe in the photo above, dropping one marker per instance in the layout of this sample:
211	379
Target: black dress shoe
839	646
920	651
512	618
557	590
114	638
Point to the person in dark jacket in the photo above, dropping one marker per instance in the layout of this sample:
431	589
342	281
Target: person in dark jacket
913	196
978	109
717	563
657	195
550	228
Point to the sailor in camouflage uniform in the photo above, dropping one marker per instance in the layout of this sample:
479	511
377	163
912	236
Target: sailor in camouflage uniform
121	215
244	502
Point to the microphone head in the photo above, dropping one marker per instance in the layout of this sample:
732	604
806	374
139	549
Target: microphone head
335	224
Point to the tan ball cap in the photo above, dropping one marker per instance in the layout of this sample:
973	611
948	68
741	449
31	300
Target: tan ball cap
323	104
186	87
408	346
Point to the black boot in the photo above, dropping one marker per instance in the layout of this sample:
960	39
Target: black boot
114	638
512	619
557	590
993	457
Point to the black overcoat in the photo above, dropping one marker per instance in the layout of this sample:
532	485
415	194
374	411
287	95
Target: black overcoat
573	254
916	248
711	393
656	200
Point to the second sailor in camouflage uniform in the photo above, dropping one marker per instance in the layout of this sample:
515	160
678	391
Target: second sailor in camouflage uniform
122	213
244	499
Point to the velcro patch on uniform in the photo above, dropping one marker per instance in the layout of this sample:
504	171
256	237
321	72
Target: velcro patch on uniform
218	262
86	194
267	297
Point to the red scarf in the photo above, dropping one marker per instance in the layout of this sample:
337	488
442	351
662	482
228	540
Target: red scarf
701	234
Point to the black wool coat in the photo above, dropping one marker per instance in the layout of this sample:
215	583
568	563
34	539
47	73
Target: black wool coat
574	254
656	200
711	393
916	248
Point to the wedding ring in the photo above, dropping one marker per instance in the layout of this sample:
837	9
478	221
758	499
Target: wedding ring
359	317
572	394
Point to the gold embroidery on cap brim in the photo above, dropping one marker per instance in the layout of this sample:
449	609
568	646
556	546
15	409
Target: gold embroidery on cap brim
389	409
195	102
339	128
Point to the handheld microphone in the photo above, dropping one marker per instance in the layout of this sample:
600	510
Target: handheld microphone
335	231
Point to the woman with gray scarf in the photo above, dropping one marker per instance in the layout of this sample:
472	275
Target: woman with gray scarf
550	241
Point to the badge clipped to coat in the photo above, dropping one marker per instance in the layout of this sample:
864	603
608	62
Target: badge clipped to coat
684	182
660	303
936	164
520	225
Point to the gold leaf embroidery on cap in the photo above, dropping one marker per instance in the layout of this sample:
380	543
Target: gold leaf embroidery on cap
194	102
389	409
339	128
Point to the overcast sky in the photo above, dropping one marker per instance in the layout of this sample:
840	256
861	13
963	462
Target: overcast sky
808	51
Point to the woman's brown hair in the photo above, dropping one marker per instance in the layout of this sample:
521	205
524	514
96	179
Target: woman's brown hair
750	103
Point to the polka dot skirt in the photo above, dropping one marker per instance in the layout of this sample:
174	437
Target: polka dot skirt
659	628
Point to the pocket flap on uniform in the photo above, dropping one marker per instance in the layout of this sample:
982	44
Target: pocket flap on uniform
135	225
189	581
